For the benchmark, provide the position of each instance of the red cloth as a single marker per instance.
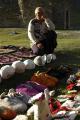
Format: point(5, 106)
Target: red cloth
point(54, 105)
point(70, 86)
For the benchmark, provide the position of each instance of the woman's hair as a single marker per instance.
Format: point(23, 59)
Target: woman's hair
point(39, 9)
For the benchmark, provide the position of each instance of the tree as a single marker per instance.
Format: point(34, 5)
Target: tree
point(20, 3)
point(22, 7)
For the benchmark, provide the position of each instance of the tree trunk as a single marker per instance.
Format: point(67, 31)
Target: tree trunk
point(22, 7)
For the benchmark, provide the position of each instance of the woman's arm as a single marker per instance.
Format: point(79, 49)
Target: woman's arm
point(31, 33)
point(49, 24)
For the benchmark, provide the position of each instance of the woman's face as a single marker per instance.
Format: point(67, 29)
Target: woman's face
point(39, 14)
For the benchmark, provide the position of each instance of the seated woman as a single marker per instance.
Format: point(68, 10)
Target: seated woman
point(41, 32)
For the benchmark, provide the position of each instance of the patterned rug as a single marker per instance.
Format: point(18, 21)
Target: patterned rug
point(9, 54)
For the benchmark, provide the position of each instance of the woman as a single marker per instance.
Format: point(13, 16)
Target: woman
point(41, 32)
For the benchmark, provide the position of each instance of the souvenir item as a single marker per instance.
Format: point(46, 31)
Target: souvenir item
point(18, 66)
point(49, 58)
point(39, 61)
point(44, 79)
point(29, 64)
point(7, 71)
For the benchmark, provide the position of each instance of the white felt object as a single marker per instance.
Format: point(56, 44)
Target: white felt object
point(18, 66)
point(7, 71)
point(21, 117)
point(62, 98)
point(34, 110)
point(68, 103)
point(39, 61)
point(71, 115)
point(40, 108)
point(29, 64)
point(44, 58)
point(60, 114)
point(49, 58)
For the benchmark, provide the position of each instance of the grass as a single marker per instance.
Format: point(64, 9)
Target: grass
point(14, 36)
point(68, 49)
point(67, 52)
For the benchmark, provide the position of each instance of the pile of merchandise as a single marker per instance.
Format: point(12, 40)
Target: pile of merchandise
point(40, 99)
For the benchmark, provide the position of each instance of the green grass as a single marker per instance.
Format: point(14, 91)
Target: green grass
point(67, 52)
point(68, 49)
point(66, 39)
point(7, 37)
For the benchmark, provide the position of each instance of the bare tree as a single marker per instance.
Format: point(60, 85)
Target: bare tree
point(22, 7)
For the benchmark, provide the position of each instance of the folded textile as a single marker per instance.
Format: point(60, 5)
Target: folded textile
point(30, 89)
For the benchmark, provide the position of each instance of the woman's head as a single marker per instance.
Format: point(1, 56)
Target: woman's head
point(39, 13)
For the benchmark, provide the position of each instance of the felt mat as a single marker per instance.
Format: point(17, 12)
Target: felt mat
point(9, 54)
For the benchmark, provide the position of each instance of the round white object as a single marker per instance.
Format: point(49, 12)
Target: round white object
point(44, 59)
point(29, 64)
point(49, 58)
point(18, 66)
point(39, 61)
point(7, 71)
point(53, 56)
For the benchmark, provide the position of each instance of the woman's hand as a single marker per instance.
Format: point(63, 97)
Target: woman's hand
point(39, 45)
point(44, 17)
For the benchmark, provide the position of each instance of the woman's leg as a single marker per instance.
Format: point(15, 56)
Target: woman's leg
point(37, 51)
point(50, 43)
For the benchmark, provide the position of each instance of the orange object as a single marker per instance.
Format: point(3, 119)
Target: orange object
point(7, 114)
point(44, 79)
